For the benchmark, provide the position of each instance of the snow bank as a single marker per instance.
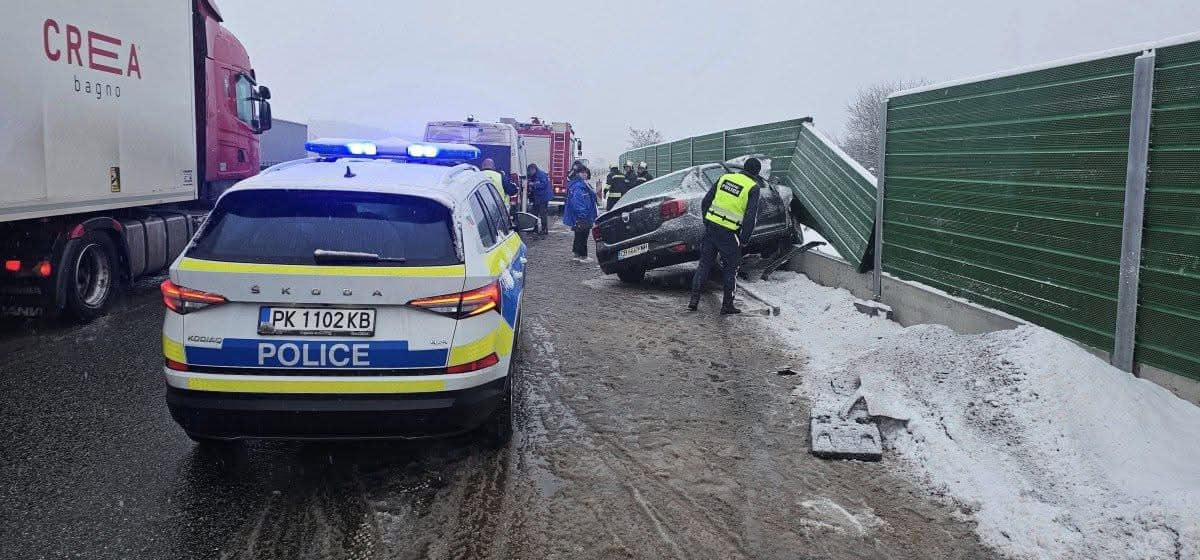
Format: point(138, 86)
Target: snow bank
point(1058, 454)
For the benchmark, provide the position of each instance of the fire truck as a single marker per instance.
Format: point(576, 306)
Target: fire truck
point(553, 147)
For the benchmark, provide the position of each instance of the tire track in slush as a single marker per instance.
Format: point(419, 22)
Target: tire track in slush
point(672, 507)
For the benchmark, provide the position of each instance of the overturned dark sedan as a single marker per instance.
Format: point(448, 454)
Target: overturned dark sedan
point(660, 224)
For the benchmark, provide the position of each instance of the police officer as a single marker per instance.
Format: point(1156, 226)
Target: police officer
point(615, 185)
point(730, 209)
point(503, 187)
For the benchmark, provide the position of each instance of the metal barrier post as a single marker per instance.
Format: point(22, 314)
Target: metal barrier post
point(1135, 199)
point(724, 155)
point(877, 272)
point(691, 151)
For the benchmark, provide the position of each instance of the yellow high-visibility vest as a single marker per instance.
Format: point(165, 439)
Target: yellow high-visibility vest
point(728, 207)
point(497, 181)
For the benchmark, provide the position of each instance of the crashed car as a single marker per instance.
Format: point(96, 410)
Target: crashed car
point(660, 223)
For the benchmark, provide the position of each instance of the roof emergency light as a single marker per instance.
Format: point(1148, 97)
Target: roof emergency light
point(341, 147)
point(394, 148)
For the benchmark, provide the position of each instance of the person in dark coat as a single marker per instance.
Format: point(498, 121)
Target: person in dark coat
point(615, 185)
point(579, 212)
point(538, 185)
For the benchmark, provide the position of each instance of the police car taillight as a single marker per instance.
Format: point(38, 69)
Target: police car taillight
point(463, 304)
point(185, 300)
point(484, 362)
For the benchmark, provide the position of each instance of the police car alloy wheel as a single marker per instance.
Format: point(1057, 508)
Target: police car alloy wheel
point(371, 292)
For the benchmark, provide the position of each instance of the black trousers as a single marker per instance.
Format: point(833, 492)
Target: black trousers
point(542, 211)
point(722, 241)
point(579, 247)
point(612, 201)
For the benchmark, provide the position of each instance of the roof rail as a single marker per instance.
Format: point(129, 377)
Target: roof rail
point(286, 164)
point(458, 169)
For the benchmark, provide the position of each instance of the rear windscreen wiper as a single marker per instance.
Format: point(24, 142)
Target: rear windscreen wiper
point(333, 257)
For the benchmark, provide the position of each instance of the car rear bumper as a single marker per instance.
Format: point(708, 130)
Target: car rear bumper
point(226, 415)
point(657, 257)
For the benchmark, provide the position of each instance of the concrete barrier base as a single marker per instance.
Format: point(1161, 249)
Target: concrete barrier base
point(914, 304)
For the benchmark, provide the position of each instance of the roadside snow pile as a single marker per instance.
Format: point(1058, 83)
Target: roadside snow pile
point(1058, 454)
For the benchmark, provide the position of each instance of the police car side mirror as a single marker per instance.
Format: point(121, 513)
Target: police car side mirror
point(524, 221)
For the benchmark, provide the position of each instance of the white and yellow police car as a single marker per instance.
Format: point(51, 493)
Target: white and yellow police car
point(373, 291)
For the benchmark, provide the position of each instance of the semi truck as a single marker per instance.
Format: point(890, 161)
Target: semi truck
point(554, 147)
point(121, 121)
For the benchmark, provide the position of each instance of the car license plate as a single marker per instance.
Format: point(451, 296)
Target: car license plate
point(316, 321)
point(633, 251)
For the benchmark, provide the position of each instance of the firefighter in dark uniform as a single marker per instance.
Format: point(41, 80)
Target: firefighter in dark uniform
point(615, 185)
point(643, 175)
point(729, 209)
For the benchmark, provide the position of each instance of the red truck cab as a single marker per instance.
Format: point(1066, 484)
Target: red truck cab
point(236, 107)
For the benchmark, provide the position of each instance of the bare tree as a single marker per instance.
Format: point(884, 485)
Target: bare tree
point(861, 138)
point(643, 137)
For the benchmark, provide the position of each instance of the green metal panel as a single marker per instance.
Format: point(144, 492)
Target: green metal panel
point(1169, 302)
point(837, 193)
point(838, 196)
point(1010, 191)
point(681, 156)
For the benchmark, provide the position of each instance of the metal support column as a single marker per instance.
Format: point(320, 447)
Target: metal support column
point(670, 157)
point(1135, 198)
point(724, 155)
point(877, 272)
point(691, 151)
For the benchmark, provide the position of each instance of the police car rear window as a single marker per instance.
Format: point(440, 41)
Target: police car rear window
point(287, 226)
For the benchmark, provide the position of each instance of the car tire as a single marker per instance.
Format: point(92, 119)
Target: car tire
point(496, 432)
point(89, 276)
point(631, 276)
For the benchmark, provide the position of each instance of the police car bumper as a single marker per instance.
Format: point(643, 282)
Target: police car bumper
point(429, 407)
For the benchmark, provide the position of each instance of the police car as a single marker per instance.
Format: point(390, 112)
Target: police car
point(373, 291)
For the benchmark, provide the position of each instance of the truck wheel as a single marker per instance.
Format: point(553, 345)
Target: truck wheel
point(631, 276)
point(89, 276)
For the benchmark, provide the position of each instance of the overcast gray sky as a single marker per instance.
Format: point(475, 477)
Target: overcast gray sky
point(684, 67)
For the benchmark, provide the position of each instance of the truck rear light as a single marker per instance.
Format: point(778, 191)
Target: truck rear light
point(673, 208)
point(44, 269)
point(484, 362)
point(463, 304)
point(177, 366)
point(12, 265)
point(185, 300)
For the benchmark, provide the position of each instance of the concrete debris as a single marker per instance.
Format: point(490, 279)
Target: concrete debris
point(873, 308)
point(852, 435)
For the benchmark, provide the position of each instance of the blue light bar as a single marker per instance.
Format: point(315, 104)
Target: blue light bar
point(394, 148)
point(341, 147)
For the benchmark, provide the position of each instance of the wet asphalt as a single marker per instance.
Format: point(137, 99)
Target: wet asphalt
point(643, 432)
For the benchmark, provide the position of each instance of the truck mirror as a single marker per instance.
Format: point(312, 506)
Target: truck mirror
point(264, 116)
point(264, 92)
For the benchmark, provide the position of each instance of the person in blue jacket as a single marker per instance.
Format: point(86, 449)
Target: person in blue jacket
point(579, 212)
point(539, 195)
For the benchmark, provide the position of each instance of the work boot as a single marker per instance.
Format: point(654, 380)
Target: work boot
point(694, 302)
point(727, 307)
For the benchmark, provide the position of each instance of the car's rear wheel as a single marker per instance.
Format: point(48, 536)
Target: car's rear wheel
point(497, 430)
point(631, 276)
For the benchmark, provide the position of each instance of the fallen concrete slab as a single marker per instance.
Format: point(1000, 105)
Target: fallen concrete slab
point(855, 436)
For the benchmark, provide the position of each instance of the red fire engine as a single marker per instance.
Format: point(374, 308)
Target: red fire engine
point(550, 146)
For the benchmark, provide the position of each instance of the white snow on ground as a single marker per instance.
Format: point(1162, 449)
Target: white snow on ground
point(1057, 454)
point(826, 249)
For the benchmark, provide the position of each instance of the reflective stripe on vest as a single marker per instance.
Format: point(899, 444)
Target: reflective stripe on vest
point(729, 203)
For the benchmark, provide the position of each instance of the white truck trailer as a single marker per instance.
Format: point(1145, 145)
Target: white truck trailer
point(114, 112)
